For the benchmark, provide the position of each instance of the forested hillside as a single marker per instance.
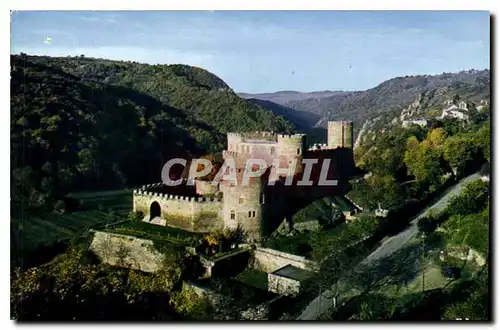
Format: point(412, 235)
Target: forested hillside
point(78, 123)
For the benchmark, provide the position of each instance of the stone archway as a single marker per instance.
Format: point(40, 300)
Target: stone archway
point(154, 211)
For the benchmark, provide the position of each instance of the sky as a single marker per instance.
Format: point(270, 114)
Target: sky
point(259, 51)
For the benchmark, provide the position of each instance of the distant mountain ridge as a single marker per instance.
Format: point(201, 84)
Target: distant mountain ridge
point(387, 99)
point(282, 97)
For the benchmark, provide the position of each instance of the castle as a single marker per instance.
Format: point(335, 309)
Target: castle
point(261, 206)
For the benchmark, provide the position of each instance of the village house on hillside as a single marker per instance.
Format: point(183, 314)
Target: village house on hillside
point(460, 111)
point(424, 123)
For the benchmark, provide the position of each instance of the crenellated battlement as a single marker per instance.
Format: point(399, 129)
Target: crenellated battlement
point(319, 151)
point(234, 134)
point(338, 122)
point(152, 185)
point(319, 147)
point(228, 153)
point(298, 136)
point(141, 192)
point(263, 133)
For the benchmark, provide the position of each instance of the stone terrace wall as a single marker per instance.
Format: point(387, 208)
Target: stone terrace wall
point(127, 251)
point(269, 260)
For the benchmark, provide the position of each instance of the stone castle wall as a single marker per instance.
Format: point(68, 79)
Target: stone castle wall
point(198, 214)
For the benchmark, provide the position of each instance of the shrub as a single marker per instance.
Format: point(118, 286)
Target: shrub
point(136, 216)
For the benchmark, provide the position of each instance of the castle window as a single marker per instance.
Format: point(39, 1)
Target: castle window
point(249, 214)
point(272, 150)
point(241, 201)
point(298, 151)
point(253, 214)
point(233, 216)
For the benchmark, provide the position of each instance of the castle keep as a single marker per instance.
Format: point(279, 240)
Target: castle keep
point(258, 207)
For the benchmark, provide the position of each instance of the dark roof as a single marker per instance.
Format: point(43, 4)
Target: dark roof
point(293, 272)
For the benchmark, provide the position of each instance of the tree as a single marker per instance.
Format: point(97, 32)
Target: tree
point(437, 137)
point(484, 140)
point(472, 199)
point(460, 152)
point(427, 225)
point(384, 191)
point(423, 161)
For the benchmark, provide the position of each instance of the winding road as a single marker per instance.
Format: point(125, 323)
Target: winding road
point(324, 302)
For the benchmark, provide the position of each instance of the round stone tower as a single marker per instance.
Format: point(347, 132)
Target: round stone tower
point(291, 147)
point(340, 134)
point(243, 205)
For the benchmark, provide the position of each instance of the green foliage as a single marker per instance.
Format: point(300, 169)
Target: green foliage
point(164, 237)
point(468, 225)
point(472, 200)
point(72, 287)
point(424, 159)
point(484, 140)
point(385, 156)
point(190, 304)
point(460, 152)
point(335, 241)
point(476, 306)
point(254, 277)
point(427, 225)
point(136, 216)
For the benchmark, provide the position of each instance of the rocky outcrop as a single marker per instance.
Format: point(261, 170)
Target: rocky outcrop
point(126, 251)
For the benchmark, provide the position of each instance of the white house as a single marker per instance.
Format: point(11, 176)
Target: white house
point(420, 122)
point(456, 112)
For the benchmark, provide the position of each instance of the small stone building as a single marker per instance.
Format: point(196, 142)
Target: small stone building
point(288, 281)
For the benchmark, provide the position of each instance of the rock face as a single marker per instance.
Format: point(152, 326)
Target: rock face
point(126, 251)
point(412, 110)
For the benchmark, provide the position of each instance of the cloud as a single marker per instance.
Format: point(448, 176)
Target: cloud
point(100, 18)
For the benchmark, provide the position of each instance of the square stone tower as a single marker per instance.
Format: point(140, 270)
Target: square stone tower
point(340, 134)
